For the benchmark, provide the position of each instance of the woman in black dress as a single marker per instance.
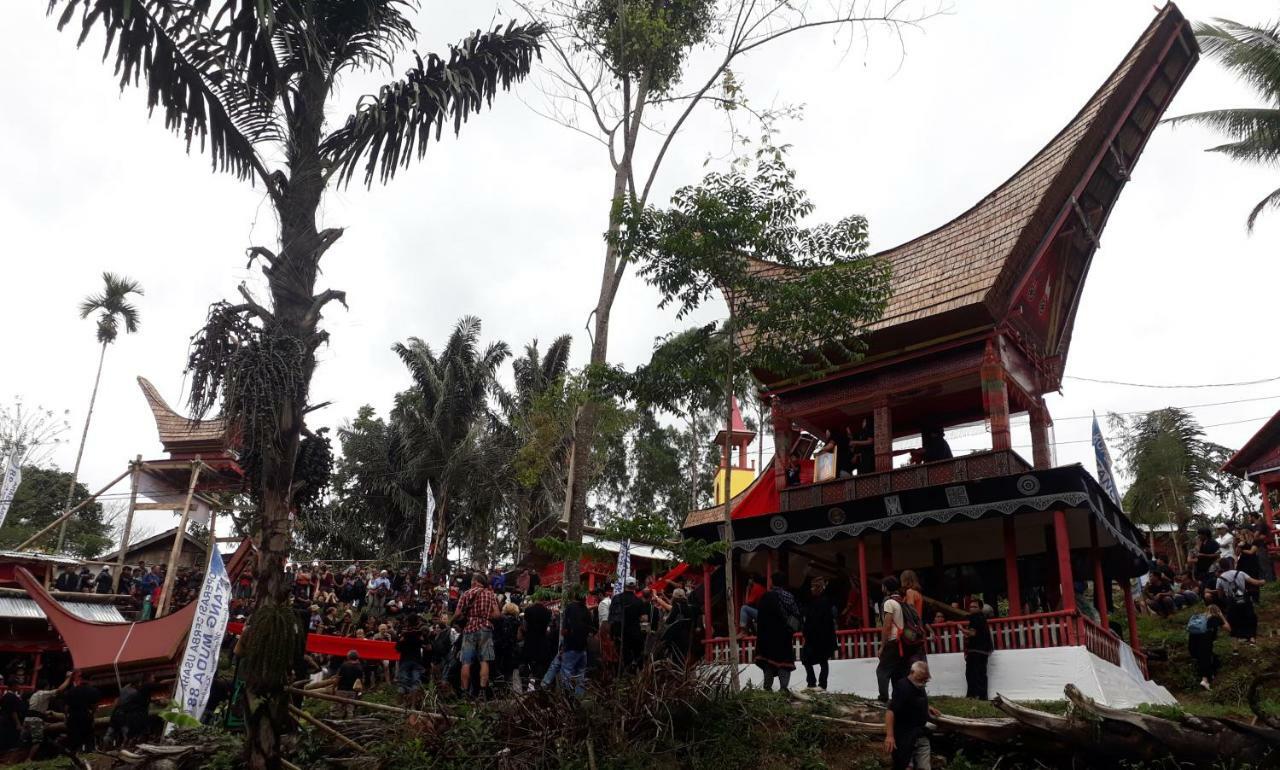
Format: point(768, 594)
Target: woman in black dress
point(778, 621)
point(1200, 645)
point(1248, 561)
point(819, 634)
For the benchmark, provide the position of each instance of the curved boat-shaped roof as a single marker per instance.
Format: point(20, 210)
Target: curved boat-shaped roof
point(972, 268)
point(180, 434)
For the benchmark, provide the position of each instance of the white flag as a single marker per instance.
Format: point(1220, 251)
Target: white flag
point(624, 566)
point(426, 545)
point(200, 661)
point(9, 487)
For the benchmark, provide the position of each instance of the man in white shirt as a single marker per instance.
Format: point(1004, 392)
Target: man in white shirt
point(603, 607)
point(890, 667)
point(1226, 542)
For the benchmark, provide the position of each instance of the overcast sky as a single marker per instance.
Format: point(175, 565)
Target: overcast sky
point(505, 222)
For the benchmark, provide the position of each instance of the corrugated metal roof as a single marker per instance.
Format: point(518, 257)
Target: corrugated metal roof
point(15, 607)
point(56, 558)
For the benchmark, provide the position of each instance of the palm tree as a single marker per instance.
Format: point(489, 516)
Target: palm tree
point(252, 82)
point(1174, 469)
point(440, 423)
point(538, 484)
point(1253, 54)
point(113, 308)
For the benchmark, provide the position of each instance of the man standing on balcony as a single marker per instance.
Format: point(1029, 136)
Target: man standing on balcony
point(905, 738)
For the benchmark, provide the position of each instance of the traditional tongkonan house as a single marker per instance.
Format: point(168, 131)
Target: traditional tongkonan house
point(1259, 461)
point(977, 329)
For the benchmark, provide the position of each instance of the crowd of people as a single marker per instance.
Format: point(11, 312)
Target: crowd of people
point(142, 583)
point(1224, 573)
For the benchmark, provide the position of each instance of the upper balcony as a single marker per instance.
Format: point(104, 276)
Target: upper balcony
point(970, 467)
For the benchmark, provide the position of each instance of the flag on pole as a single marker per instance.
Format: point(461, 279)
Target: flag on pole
point(200, 661)
point(624, 565)
point(426, 545)
point(9, 487)
point(1106, 477)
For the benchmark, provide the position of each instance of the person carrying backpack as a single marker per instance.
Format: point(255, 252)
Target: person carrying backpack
point(1202, 632)
point(1233, 586)
point(894, 641)
point(778, 622)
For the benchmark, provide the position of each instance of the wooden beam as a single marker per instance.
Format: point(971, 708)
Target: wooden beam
point(171, 571)
point(326, 729)
point(158, 507)
point(56, 522)
point(135, 471)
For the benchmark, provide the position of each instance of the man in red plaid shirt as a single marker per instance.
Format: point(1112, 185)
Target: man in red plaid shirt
point(476, 610)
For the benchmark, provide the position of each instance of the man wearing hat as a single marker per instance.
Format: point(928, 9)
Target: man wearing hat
point(1226, 541)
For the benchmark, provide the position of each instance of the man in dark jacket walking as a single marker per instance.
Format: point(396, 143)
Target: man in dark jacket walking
point(819, 634)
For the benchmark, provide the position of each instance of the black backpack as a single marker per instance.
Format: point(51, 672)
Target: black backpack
point(911, 636)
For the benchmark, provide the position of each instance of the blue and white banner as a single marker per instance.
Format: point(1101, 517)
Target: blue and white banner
point(200, 661)
point(9, 486)
point(1106, 477)
point(624, 565)
point(426, 545)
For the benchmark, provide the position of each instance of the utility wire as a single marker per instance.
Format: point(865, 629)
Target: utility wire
point(1171, 387)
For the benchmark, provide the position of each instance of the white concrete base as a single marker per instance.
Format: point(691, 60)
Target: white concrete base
point(1019, 675)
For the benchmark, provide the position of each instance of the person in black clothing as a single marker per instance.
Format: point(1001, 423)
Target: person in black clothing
point(575, 630)
point(1200, 645)
point(67, 580)
point(845, 453)
point(819, 634)
point(411, 667)
point(905, 739)
point(11, 716)
point(1263, 537)
point(506, 644)
point(102, 584)
point(977, 652)
point(934, 446)
point(793, 472)
point(538, 651)
point(81, 701)
point(1206, 557)
point(778, 621)
point(863, 444)
point(677, 637)
point(624, 621)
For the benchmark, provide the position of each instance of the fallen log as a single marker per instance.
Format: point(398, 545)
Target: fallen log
point(996, 730)
point(862, 728)
point(326, 729)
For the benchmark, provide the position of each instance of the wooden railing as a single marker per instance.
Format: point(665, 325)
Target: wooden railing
point(970, 467)
point(1023, 632)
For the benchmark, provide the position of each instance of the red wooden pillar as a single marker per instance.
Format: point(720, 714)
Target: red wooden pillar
point(706, 601)
point(1099, 583)
point(1041, 451)
point(865, 609)
point(1266, 510)
point(1065, 580)
point(884, 438)
point(1011, 567)
point(591, 581)
point(995, 398)
point(1132, 612)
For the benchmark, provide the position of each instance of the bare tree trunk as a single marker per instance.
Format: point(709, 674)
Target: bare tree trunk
point(731, 615)
point(75, 472)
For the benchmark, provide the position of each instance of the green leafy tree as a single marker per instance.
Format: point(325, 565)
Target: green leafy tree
point(38, 503)
point(715, 238)
point(1173, 470)
point(1252, 53)
point(627, 78)
point(252, 81)
point(114, 309)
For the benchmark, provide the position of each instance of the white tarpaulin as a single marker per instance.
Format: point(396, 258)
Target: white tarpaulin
point(157, 490)
point(9, 487)
point(200, 661)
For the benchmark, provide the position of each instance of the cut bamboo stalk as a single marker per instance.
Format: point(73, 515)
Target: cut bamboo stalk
point(326, 729)
point(364, 704)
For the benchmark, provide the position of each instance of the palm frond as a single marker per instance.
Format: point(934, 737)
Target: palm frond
point(394, 127)
point(164, 43)
point(1272, 201)
point(1263, 123)
point(1252, 53)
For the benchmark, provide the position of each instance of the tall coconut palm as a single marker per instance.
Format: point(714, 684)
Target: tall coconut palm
point(252, 81)
point(440, 423)
point(1253, 54)
point(113, 308)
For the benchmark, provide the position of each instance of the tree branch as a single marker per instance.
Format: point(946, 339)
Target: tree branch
point(317, 304)
point(251, 305)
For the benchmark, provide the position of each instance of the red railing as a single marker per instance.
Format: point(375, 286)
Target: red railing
point(1023, 632)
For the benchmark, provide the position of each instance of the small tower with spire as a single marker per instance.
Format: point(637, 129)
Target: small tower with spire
point(732, 476)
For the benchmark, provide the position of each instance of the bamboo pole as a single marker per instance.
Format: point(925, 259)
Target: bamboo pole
point(136, 469)
point(54, 524)
point(364, 704)
point(171, 572)
point(326, 729)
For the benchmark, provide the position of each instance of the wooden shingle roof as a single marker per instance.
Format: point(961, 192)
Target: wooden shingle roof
point(972, 264)
point(177, 430)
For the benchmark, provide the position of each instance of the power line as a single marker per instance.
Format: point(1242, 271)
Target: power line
point(1171, 387)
